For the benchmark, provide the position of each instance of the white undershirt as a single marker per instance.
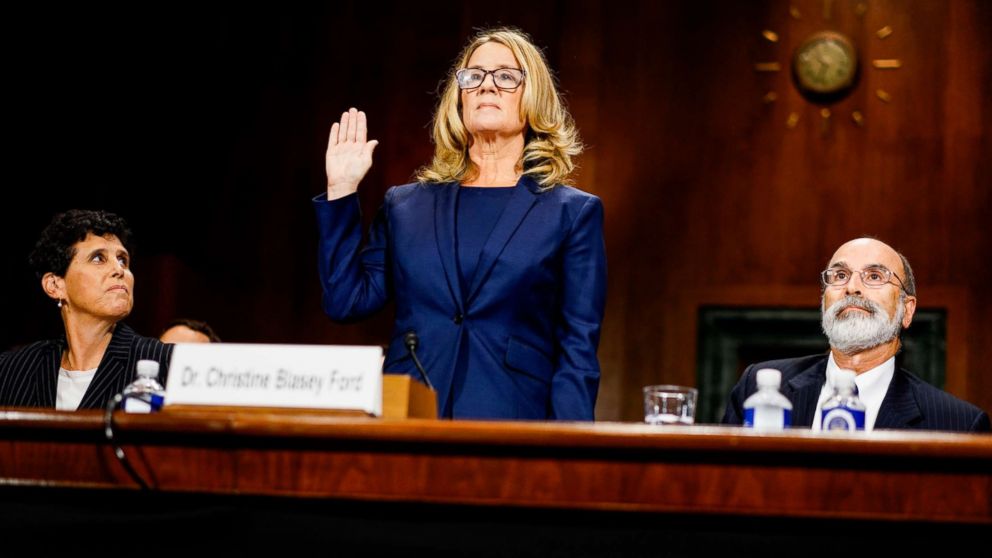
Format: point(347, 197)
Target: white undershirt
point(72, 386)
point(872, 387)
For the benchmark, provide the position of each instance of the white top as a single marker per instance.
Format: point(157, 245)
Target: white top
point(872, 387)
point(72, 385)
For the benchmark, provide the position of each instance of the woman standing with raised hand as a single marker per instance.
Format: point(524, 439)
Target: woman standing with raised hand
point(495, 263)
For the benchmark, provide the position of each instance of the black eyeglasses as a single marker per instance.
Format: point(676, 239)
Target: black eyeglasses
point(873, 276)
point(506, 79)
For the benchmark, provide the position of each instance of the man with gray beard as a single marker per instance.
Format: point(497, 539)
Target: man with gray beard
point(869, 297)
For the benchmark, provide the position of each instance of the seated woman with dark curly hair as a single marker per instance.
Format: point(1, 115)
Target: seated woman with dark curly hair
point(84, 263)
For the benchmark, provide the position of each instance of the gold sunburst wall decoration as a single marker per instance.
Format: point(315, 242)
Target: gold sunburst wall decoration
point(824, 66)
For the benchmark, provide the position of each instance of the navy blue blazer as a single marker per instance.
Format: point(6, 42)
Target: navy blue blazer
point(522, 343)
point(909, 403)
point(29, 375)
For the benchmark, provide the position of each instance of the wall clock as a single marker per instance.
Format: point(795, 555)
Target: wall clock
point(824, 66)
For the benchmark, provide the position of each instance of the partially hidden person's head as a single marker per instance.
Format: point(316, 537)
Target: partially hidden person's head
point(188, 331)
point(83, 259)
point(869, 296)
point(501, 84)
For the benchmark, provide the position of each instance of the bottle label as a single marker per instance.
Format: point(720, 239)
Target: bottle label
point(135, 405)
point(767, 417)
point(145, 403)
point(157, 401)
point(842, 418)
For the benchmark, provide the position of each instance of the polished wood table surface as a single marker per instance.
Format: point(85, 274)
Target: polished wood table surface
point(883, 476)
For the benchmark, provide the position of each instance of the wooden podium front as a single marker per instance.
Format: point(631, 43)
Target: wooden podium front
point(500, 487)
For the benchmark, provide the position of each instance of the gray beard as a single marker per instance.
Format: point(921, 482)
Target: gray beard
point(858, 332)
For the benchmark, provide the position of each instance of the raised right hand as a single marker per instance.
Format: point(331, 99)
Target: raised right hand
point(349, 155)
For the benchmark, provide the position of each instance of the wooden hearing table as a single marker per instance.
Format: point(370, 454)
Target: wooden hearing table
point(609, 469)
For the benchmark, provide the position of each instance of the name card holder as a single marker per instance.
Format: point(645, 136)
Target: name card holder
point(402, 397)
point(292, 379)
point(339, 379)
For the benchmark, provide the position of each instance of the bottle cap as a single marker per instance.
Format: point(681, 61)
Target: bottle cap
point(148, 369)
point(769, 378)
point(843, 380)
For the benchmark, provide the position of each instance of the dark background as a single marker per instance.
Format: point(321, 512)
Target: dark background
point(206, 127)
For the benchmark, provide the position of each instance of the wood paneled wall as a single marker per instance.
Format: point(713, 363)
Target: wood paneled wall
point(206, 130)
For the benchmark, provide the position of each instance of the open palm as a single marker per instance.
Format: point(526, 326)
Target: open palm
point(349, 154)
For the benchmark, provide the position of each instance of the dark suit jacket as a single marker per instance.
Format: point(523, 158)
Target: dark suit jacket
point(522, 343)
point(909, 402)
point(29, 375)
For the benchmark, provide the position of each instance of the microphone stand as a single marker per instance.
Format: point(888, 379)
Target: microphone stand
point(411, 340)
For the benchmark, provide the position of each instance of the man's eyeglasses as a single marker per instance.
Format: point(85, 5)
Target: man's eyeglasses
point(873, 276)
point(506, 79)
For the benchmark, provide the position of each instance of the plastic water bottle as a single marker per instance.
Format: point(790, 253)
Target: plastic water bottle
point(844, 410)
point(145, 394)
point(767, 410)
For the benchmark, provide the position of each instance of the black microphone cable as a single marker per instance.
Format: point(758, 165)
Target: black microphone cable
point(108, 430)
point(411, 340)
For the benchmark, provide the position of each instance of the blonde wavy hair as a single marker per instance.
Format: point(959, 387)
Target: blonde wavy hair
point(551, 140)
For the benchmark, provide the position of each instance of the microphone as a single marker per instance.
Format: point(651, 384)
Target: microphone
point(411, 340)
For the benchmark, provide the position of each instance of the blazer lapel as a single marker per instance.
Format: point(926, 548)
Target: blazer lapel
point(112, 375)
point(523, 198)
point(444, 231)
point(804, 392)
point(47, 378)
point(899, 408)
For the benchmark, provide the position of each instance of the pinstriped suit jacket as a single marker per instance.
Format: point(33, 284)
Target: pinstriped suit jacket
point(29, 375)
point(910, 403)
